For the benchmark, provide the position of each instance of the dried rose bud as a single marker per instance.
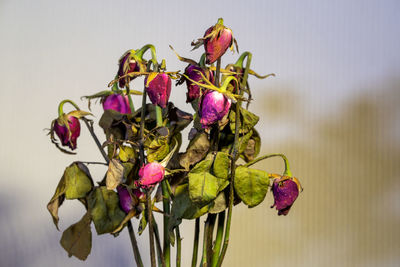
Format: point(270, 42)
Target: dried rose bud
point(192, 71)
point(285, 190)
point(150, 174)
point(158, 87)
point(125, 199)
point(213, 107)
point(127, 65)
point(117, 102)
point(220, 38)
point(68, 134)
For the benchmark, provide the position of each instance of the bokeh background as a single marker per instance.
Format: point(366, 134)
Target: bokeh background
point(332, 109)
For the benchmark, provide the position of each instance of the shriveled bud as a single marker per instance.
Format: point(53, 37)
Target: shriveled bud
point(127, 65)
point(150, 174)
point(213, 107)
point(125, 199)
point(117, 102)
point(285, 190)
point(158, 87)
point(192, 71)
point(217, 39)
point(68, 134)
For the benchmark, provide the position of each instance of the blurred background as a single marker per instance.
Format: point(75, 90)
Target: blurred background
point(332, 109)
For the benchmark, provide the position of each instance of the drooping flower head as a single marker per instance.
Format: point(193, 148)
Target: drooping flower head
point(285, 190)
point(117, 102)
point(217, 39)
point(193, 72)
point(127, 64)
point(69, 132)
point(213, 107)
point(158, 87)
point(126, 201)
point(150, 174)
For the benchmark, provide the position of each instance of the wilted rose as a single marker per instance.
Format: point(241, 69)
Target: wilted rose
point(158, 87)
point(285, 190)
point(213, 107)
point(118, 103)
point(150, 174)
point(68, 134)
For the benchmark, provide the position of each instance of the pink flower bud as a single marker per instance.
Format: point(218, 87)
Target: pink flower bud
point(150, 174)
point(118, 103)
point(127, 65)
point(285, 191)
point(158, 87)
point(213, 107)
point(69, 136)
point(125, 199)
point(217, 45)
point(192, 71)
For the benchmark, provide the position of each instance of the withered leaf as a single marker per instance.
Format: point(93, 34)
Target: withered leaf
point(104, 210)
point(115, 174)
point(248, 120)
point(251, 185)
point(196, 151)
point(77, 239)
point(75, 183)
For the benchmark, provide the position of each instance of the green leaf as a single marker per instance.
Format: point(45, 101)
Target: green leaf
point(248, 120)
point(251, 185)
point(196, 151)
point(104, 209)
point(221, 165)
point(126, 153)
point(115, 174)
point(143, 223)
point(183, 208)
point(77, 239)
point(157, 148)
point(203, 186)
point(75, 183)
point(219, 204)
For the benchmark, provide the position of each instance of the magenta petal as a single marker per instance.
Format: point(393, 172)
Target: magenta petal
point(159, 89)
point(216, 47)
point(118, 103)
point(192, 72)
point(125, 199)
point(213, 107)
point(68, 137)
point(150, 174)
point(285, 193)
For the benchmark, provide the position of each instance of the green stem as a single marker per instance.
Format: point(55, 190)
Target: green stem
point(135, 247)
point(218, 239)
point(211, 218)
point(178, 247)
point(160, 257)
point(204, 258)
point(142, 50)
point(286, 161)
point(234, 156)
point(159, 119)
point(196, 242)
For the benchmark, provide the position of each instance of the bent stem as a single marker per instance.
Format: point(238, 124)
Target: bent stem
point(287, 171)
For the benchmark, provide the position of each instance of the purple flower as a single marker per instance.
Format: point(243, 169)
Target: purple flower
point(118, 103)
point(213, 107)
point(217, 44)
point(150, 174)
point(285, 190)
point(127, 65)
point(125, 199)
point(158, 87)
point(68, 134)
point(192, 71)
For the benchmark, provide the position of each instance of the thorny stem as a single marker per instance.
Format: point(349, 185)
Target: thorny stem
point(286, 161)
point(211, 218)
point(196, 242)
point(234, 154)
point(158, 243)
point(135, 248)
point(178, 247)
point(218, 239)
